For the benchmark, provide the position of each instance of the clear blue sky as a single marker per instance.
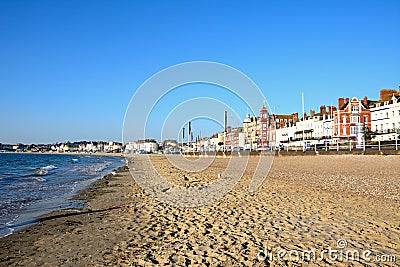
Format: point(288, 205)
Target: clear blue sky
point(69, 68)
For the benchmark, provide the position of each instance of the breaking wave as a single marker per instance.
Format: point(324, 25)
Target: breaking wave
point(40, 171)
point(35, 179)
point(49, 167)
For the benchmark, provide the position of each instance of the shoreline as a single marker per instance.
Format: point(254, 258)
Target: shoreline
point(54, 222)
point(32, 213)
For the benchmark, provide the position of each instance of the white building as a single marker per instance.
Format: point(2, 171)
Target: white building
point(142, 146)
point(316, 129)
point(170, 146)
point(110, 147)
point(129, 147)
point(323, 128)
point(242, 140)
point(385, 119)
point(90, 147)
point(213, 144)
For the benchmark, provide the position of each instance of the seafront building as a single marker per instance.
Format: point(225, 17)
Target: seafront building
point(385, 116)
point(350, 120)
point(279, 130)
point(170, 146)
point(141, 146)
point(66, 147)
point(264, 127)
point(315, 129)
point(347, 123)
point(251, 130)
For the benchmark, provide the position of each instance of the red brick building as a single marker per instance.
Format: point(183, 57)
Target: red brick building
point(348, 116)
point(264, 126)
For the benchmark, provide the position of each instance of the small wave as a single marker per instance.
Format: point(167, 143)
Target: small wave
point(49, 167)
point(96, 168)
point(44, 170)
point(41, 171)
point(6, 231)
point(74, 160)
point(35, 179)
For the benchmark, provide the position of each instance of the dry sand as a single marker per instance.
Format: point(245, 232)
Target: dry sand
point(305, 203)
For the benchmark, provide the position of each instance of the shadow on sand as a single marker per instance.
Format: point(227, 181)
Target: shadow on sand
point(52, 217)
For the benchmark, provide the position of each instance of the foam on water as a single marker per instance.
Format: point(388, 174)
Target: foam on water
point(24, 192)
point(35, 179)
point(48, 167)
point(41, 171)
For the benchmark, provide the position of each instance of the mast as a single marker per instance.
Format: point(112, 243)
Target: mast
point(302, 105)
point(225, 126)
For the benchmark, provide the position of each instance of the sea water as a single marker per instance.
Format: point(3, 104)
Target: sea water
point(35, 184)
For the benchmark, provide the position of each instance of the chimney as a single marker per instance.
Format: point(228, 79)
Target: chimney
point(304, 116)
point(365, 102)
point(340, 102)
point(347, 100)
point(322, 110)
point(312, 112)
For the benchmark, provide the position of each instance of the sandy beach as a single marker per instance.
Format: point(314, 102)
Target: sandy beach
point(306, 205)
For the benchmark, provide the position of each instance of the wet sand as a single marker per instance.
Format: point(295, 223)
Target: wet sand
point(306, 203)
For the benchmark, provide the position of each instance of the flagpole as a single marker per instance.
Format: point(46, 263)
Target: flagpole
point(302, 104)
point(183, 136)
point(189, 134)
point(225, 126)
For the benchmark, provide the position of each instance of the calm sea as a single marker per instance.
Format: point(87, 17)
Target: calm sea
point(35, 184)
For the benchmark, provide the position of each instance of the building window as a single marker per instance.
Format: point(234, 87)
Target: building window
point(355, 109)
point(354, 119)
point(394, 126)
point(264, 126)
point(344, 130)
point(344, 120)
point(387, 114)
point(352, 130)
point(366, 119)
